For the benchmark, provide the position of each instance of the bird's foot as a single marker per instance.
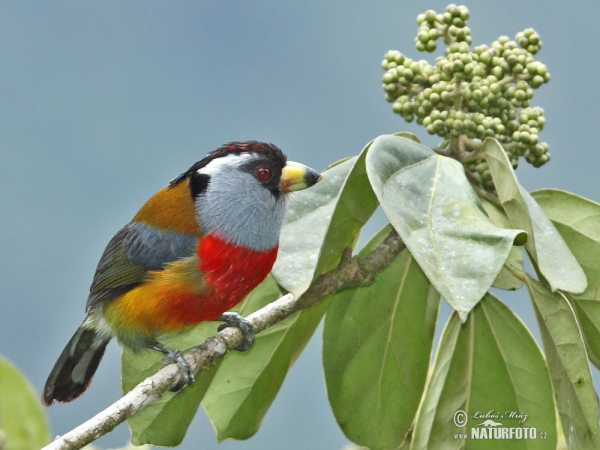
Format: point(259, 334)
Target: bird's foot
point(174, 356)
point(233, 319)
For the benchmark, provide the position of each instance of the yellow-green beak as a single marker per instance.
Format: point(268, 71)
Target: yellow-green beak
point(296, 176)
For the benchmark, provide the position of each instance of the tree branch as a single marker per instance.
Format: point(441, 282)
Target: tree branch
point(351, 272)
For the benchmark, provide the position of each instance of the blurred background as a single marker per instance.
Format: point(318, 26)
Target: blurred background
point(102, 103)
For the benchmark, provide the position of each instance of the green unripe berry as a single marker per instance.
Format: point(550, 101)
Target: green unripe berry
point(423, 36)
point(521, 84)
point(390, 88)
point(541, 69)
point(520, 95)
point(420, 18)
point(388, 77)
point(447, 97)
point(397, 107)
point(498, 72)
point(534, 39)
point(477, 177)
point(482, 167)
point(431, 46)
point(463, 34)
point(458, 22)
point(536, 81)
point(543, 159)
point(485, 57)
point(464, 12)
point(541, 122)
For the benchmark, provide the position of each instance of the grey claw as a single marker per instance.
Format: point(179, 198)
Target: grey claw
point(233, 319)
point(174, 356)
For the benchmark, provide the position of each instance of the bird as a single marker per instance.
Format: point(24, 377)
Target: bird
point(192, 252)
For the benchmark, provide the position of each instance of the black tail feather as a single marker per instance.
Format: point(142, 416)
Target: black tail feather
point(75, 367)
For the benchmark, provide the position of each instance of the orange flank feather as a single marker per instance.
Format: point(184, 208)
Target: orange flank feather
point(189, 291)
point(170, 209)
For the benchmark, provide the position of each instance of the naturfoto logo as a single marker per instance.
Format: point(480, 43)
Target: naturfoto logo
point(493, 425)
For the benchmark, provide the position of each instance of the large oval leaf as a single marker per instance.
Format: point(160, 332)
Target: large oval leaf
point(246, 383)
point(306, 222)
point(322, 221)
point(569, 368)
point(547, 248)
point(23, 423)
point(431, 204)
point(489, 368)
point(165, 422)
point(376, 348)
point(577, 219)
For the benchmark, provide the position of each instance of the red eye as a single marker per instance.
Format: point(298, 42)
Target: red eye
point(264, 173)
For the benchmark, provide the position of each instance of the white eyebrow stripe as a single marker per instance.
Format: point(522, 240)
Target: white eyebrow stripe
point(229, 160)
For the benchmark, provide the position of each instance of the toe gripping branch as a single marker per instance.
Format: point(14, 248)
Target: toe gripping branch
point(233, 319)
point(174, 356)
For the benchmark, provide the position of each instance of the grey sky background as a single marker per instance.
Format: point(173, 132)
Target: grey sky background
point(104, 102)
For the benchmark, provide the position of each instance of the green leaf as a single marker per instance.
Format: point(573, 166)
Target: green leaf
point(376, 353)
point(547, 248)
point(431, 204)
point(23, 423)
point(322, 221)
point(505, 279)
point(577, 219)
point(355, 205)
point(166, 421)
point(568, 365)
point(246, 383)
point(490, 365)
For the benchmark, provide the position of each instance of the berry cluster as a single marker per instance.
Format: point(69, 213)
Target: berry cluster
point(470, 94)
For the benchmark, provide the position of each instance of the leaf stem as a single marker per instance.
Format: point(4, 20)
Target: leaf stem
point(521, 275)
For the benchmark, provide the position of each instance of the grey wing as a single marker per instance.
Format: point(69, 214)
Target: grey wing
point(130, 254)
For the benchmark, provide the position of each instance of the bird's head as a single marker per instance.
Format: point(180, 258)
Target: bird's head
point(240, 191)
